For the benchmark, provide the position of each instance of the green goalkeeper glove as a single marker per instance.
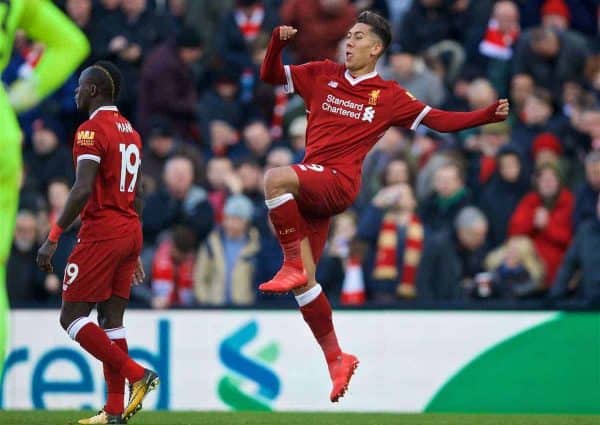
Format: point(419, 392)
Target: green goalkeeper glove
point(23, 94)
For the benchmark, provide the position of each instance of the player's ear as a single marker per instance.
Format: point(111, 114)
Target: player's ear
point(377, 49)
point(93, 89)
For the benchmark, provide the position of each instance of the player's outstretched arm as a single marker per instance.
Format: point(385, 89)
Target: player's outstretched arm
point(445, 121)
point(65, 49)
point(271, 70)
point(78, 196)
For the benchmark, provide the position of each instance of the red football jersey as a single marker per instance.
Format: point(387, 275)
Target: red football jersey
point(347, 115)
point(109, 139)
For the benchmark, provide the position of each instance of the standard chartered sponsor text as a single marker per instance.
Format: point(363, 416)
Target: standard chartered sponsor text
point(342, 107)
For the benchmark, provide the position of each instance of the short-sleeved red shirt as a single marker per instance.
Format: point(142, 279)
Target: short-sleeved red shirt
point(347, 115)
point(109, 139)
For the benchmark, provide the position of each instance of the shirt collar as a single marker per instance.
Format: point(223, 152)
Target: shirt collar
point(354, 81)
point(104, 108)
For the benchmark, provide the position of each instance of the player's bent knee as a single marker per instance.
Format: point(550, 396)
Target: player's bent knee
point(72, 327)
point(280, 180)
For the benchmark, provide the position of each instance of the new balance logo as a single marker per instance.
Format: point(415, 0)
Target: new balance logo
point(332, 84)
point(369, 114)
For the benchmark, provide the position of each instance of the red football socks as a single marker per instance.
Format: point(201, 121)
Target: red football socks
point(94, 340)
point(286, 219)
point(115, 383)
point(317, 314)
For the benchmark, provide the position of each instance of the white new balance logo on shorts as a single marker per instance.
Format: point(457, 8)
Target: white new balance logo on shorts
point(369, 114)
point(332, 84)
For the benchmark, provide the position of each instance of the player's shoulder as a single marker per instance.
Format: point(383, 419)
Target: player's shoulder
point(398, 90)
point(325, 66)
point(88, 133)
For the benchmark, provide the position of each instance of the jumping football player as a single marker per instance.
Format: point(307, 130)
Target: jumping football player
point(105, 260)
point(349, 108)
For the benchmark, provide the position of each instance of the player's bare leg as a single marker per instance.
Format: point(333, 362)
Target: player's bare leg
point(317, 313)
point(281, 189)
point(74, 318)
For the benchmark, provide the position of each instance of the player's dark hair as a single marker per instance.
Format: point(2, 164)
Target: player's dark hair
point(110, 82)
point(379, 25)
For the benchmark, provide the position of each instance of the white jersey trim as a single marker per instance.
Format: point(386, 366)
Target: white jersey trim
point(89, 156)
point(355, 81)
point(289, 86)
point(420, 117)
point(104, 108)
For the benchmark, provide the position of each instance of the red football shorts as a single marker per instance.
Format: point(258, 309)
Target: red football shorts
point(324, 192)
point(98, 270)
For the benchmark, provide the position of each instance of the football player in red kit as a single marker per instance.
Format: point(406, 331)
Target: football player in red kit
point(105, 261)
point(349, 108)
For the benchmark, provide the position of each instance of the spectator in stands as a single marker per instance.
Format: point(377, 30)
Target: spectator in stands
point(340, 255)
point(322, 24)
point(482, 151)
point(555, 15)
point(546, 148)
point(226, 265)
point(221, 103)
point(179, 201)
point(514, 271)
point(551, 58)
point(167, 86)
point(48, 159)
point(80, 11)
point(498, 43)
point(583, 256)
point(257, 140)
point(521, 87)
point(393, 144)
point(250, 174)
point(450, 196)
point(172, 270)
point(395, 236)
point(297, 133)
point(452, 260)
point(279, 157)
point(426, 23)
point(222, 181)
point(126, 38)
point(240, 27)
point(411, 72)
point(545, 215)
point(224, 140)
point(25, 282)
point(499, 197)
point(537, 116)
point(586, 195)
point(159, 144)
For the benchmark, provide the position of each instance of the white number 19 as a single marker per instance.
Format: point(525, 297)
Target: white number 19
point(130, 164)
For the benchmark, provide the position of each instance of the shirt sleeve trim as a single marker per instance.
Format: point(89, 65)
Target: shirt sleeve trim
point(89, 156)
point(289, 87)
point(420, 117)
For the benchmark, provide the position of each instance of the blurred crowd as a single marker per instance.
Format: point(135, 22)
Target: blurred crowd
point(508, 211)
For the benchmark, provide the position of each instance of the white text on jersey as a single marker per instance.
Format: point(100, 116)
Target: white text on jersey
point(124, 127)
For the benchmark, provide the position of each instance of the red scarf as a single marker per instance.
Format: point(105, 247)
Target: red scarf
point(250, 25)
point(496, 44)
point(386, 261)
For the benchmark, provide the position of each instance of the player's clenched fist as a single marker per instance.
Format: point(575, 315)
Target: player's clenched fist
point(502, 109)
point(286, 32)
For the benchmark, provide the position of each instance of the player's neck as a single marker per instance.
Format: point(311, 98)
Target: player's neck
point(359, 72)
point(95, 105)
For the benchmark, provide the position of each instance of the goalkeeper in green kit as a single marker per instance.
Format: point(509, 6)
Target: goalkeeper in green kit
point(65, 48)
